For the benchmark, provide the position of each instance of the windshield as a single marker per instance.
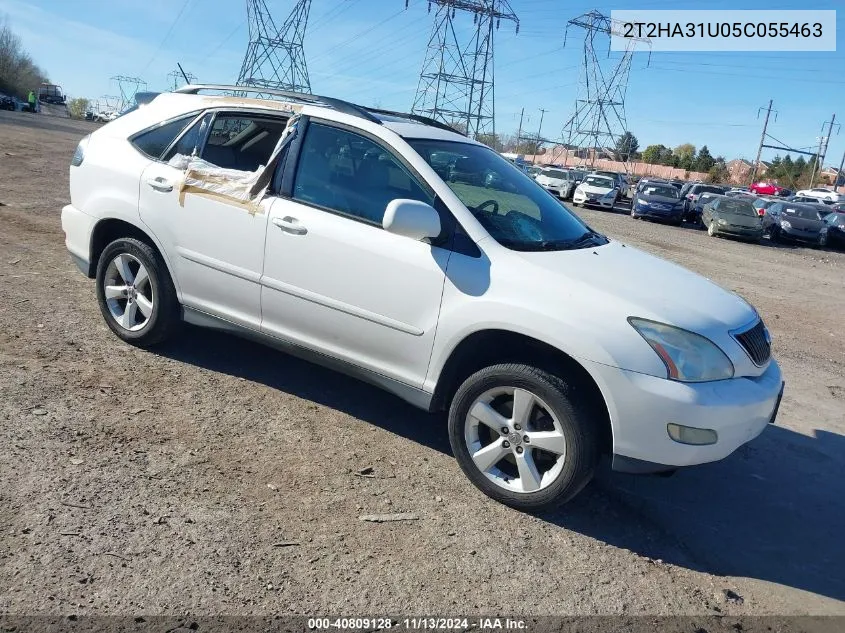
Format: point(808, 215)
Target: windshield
point(599, 181)
point(555, 173)
point(667, 191)
point(737, 207)
point(516, 211)
point(804, 212)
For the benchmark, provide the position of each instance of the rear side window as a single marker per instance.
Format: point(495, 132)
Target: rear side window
point(153, 142)
point(243, 141)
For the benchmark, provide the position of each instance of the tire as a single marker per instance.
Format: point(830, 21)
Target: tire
point(774, 237)
point(822, 240)
point(157, 289)
point(634, 214)
point(711, 229)
point(569, 418)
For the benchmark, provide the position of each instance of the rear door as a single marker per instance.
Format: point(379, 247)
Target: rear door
point(216, 245)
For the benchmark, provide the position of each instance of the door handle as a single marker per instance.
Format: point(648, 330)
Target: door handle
point(160, 184)
point(290, 225)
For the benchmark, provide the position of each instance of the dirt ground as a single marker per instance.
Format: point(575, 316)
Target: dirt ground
point(217, 476)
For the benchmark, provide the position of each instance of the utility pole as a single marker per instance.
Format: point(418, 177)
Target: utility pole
point(822, 150)
point(756, 164)
point(519, 133)
point(539, 136)
point(839, 173)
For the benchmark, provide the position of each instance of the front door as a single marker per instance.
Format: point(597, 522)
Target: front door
point(337, 282)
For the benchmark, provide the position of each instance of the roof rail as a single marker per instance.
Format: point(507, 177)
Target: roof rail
point(337, 104)
point(303, 97)
point(419, 119)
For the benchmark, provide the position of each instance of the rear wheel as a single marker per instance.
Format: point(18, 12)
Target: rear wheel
point(522, 437)
point(135, 293)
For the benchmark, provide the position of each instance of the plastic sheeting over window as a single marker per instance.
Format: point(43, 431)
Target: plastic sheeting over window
point(244, 189)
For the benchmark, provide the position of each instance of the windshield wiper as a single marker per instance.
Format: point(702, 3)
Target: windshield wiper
point(589, 236)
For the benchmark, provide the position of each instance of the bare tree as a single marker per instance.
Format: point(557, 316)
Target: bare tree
point(18, 73)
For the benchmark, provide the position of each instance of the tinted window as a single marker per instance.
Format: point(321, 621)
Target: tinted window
point(245, 142)
point(516, 211)
point(187, 143)
point(351, 174)
point(802, 211)
point(155, 141)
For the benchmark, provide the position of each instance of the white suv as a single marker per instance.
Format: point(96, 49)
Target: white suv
point(547, 343)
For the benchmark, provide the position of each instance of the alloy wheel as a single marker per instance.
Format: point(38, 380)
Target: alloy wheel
point(515, 439)
point(128, 292)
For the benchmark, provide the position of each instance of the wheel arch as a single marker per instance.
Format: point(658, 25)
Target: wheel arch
point(487, 347)
point(110, 229)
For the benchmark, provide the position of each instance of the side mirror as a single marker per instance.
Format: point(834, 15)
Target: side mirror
point(411, 218)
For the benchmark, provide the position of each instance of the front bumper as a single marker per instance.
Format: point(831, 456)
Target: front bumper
point(796, 236)
point(641, 406)
point(591, 200)
point(78, 227)
point(669, 215)
point(739, 231)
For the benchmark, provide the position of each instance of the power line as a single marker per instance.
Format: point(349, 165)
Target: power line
point(167, 35)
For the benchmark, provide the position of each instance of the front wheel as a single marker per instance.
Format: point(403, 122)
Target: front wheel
point(135, 293)
point(522, 437)
point(822, 239)
point(711, 229)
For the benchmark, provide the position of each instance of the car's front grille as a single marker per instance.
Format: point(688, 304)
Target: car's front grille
point(755, 342)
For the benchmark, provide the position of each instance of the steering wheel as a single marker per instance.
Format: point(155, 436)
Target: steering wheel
point(489, 203)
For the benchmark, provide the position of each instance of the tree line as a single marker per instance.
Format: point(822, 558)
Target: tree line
point(18, 73)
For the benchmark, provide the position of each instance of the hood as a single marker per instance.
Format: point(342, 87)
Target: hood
point(593, 189)
point(616, 281)
point(737, 219)
point(660, 199)
point(802, 223)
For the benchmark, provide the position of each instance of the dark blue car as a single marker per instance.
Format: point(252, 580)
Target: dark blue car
point(658, 202)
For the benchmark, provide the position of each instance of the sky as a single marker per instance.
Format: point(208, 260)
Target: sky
point(371, 52)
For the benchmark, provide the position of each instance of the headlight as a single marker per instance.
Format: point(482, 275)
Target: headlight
point(642, 202)
point(722, 221)
point(688, 357)
point(784, 224)
point(79, 153)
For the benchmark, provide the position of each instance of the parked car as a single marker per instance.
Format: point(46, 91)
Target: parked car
point(796, 222)
point(105, 116)
point(784, 193)
point(546, 342)
point(696, 189)
point(560, 182)
point(735, 217)
point(659, 201)
point(761, 204)
point(807, 199)
point(734, 193)
point(833, 232)
point(7, 102)
point(693, 212)
point(621, 180)
point(596, 190)
point(839, 206)
point(821, 194)
point(765, 189)
point(462, 170)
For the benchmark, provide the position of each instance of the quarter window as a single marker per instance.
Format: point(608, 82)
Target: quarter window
point(153, 142)
point(351, 174)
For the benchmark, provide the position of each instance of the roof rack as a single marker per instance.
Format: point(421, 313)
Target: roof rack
point(419, 119)
point(302, 97)
point(337, 104)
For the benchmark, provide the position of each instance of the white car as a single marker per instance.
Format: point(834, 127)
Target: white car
point(596, 190)
point(105, 116)
point(327, 230)
point(821, 194)
point(560, 182)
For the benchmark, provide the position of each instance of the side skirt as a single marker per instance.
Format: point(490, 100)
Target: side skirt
point(412, 395)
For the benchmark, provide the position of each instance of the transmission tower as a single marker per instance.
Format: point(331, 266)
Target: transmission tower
point(456, 81)
point(175, 79)
point(599, 122)
point(275, 57)
point(128, 87)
